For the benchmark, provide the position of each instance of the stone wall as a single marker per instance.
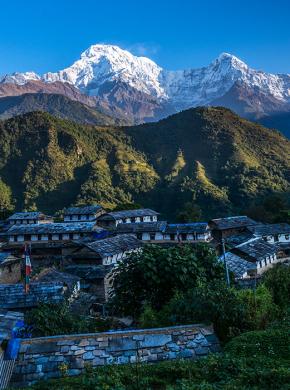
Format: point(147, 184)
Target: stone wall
point(46, 357)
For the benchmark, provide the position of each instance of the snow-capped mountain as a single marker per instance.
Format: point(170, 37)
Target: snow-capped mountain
point(143, 90)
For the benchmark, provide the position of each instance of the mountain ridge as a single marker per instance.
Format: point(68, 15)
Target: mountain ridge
point(152, 92)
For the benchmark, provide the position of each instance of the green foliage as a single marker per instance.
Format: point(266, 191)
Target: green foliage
point(154, 275)
point(208, 157)
point(6, 202)
point(51, 320)
point(190, 213)
point(277, 280)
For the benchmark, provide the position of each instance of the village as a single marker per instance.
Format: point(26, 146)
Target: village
point(73, 259)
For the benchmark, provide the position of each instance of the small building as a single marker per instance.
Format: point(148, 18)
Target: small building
point(83, 213)
point(162, 232)
point(94, 261)
point(272, 233)
point(225, 227)
point(52, 232)
point(144, 231)
point(258, 252)
point(10, 268)
point(71, 283)
point(30, 217)
point(188, 232)
point(240, 267)
point(113, 218)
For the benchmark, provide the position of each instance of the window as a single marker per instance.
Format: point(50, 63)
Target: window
point(172, 237)
point(152, 236)
point(139, 236)
point(286, 236)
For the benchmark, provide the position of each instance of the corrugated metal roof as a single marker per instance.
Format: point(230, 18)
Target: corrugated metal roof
point(140, 227)
point(233, 222)
point(91, 209)
point(51, 228)
point(114, 245)
point(129, 214)
point(195, 227)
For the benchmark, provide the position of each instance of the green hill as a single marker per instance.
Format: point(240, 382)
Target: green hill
point(206, 156)
point(55, 104)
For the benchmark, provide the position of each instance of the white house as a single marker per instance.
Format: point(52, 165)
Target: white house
point(114, 218)
point(273, 233)
point(30, 217)
point(51, 232)
point(82, 214)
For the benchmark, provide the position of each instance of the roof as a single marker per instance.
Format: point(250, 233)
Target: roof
point(140, 227)
point(8, 320)
point(50, 228)
point(271, 229)
point(6, 257)
point(82, 210)
point(257, 249)
point(129, 214)
point(233, 222)
point(88, 272)
point(238, 265)
point(12, 296)
point(26, 215)
point(114, 245)
point(53, 275)
point(195, 227)
point(238, 239)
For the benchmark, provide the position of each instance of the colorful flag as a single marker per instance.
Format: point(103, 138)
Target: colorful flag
point(27, 252)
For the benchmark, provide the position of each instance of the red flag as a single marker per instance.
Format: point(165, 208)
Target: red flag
point(28, 268)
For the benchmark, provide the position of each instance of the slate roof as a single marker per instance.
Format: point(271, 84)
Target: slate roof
point(271, 229)
point(130, 214)
point(92, 209)
point(88, 272)
point(26, 215)
point(50, 228)
point(6, 257)
point(140, 227)
point(12, 296)
point(52, 275)
point(195, 227)
point(114, 245)
point(257, 249)
point(8, 320)
point(232, 222)
point(238, 265)
point(238, 239)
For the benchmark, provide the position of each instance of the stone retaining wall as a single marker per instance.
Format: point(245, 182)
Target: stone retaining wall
point(48, 357)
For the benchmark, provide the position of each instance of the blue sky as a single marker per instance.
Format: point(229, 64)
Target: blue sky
point(49, 35)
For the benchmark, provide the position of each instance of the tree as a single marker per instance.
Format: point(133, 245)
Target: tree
point(6, 203)
point(154, 275)
point(277, 280)
point(190, 213)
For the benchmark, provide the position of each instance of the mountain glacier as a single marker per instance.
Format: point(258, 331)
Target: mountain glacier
point(107, 67)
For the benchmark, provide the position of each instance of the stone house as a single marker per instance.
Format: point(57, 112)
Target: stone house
point(114, 218)
point(272, 233)
point(94, 261)
point(31, 217)
point(51, 232)
point(251, 258)
point(224, 227)
point(83, 213)
point(162, 232)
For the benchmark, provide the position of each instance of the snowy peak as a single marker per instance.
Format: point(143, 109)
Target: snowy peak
point(107, 71)
point(106, 63)
point(19, 78)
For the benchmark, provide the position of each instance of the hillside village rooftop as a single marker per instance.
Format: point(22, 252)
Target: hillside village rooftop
point(31, 217)
point(232, 222)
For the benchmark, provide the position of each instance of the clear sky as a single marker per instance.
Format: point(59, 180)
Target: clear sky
point(48, 35)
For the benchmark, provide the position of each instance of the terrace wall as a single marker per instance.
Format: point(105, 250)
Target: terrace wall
point(49, 357)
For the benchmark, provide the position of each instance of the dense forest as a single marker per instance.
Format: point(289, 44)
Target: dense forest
point(195, 164)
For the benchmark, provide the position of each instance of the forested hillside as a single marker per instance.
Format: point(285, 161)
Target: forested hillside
point(204, 157)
